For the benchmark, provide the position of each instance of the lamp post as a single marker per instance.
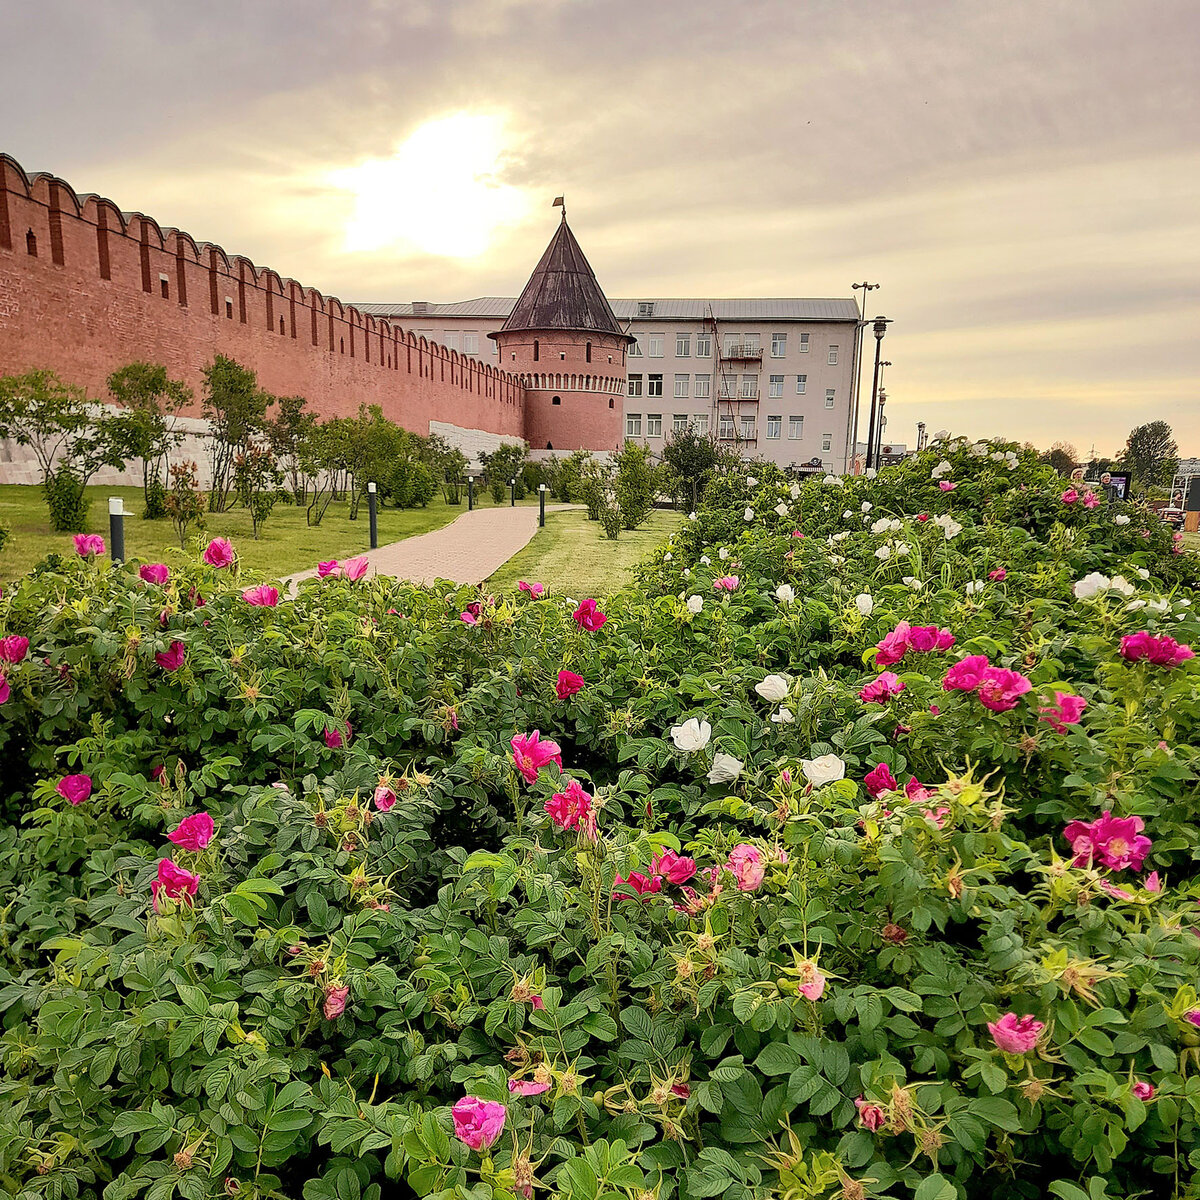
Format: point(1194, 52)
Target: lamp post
point(882, 426)
point(541, 505)
point(856, 382)
point(879, 329)
point(512, 493)
point(920, 436)
point(373, 514)
point(116, 528)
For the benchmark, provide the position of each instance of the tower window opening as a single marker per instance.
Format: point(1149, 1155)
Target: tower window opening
point(537, 350)
point(31, 244)
point(589, 352)
point(556, 400)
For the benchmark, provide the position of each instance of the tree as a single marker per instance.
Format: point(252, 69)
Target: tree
point(236, 409)
point(504, 463)
point(692, 458)
point(147, 428)
point(1062, 456)
point(286, 432)
point(257, 480)
point(70, 436)
point(636, 483)
point(1151, 455)
point(184, 505)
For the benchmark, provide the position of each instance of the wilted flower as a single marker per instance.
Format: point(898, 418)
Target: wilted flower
point(527, 1087)
point(811, 982)
point(174, 882)
point(535, 590)
point(1066, 710)
point(336, 737)
point(1143, 1091)
point(193, 833)
point(335, 1000)
point(75, 788)
point(784, 716)
point(385, 797)
point(478, 1123)
point(748, 865)
point(691, 736)
point(871, 1116)
point(218, 553)
point(1015, 1035)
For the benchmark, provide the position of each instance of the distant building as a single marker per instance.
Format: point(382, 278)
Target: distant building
point(770, 377)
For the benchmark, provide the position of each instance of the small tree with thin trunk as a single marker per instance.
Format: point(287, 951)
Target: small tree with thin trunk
point(147, 429)
point(185, 506)
point(1151, 455)
point(236, 409)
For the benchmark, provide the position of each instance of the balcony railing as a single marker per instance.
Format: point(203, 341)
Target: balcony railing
point(742, 352)
point(737, 437)
point(734, 397)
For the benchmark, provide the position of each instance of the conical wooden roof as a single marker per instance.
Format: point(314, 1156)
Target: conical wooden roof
point(562, 293)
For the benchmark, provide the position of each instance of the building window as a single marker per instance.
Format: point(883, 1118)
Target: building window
point(450, 339)
point(679, 422)
point(778, 345)
point(589, 352)
point(229, 307)
point(556, 400)
point(774, 428)
point(683, 345)
point(747, 429)
point(829, 394)
point(681, 386)
point(804, 343)
point(31, 244)
point(726, 430)
point(653, 385)
point(833, 356)
point(795, 428)
point(703, 387)
point(537, 350)
point(728, 390)
point(801, 384)
point(633, 424)
point(470, 343)
point(635, 385)
point(827, 441)
point(635, 348)
point(645, 308)
point(281, 331)
point(775, 390)
point(700, 424)
point(164, 287)
point(342, 348)
point(704, 345)
point(655, 348)
point(654, 425)
point(749, 387)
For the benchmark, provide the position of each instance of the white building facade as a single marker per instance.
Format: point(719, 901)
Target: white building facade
point(772, 378)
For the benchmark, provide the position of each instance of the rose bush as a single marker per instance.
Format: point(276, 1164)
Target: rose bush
point(567, 905)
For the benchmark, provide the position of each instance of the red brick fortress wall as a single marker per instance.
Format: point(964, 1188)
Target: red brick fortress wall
point(85, 289)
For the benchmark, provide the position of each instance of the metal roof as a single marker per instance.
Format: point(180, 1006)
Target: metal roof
point(664, 309)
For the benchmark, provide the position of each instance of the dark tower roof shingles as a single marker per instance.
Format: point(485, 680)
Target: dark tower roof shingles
point(562, 293)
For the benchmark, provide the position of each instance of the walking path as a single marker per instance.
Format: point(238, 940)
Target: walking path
point(467, 550)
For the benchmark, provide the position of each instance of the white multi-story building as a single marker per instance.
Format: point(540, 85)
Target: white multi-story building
point(771, 377)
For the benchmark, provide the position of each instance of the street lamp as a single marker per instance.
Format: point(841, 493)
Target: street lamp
point(920, 436)
point(866, 288)
point(882, 424)
point(879, 329)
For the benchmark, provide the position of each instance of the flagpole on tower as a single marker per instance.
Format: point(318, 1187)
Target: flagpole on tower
point(560, 202)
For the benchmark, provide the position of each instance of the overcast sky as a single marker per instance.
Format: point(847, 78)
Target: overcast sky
point(1021, 177)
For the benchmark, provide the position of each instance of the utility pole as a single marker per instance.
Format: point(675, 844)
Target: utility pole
point(879, 329)
point(856, 382)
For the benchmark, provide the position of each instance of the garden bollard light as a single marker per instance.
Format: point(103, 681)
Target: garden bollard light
point(541, 505)
point(470, 493)
point(116, 528)
point(373, 515)
point(512, 493)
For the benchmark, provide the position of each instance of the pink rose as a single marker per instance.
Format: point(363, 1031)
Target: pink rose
point(748, 865)
point(1066, 710)
point(999, 575)
point(1090, 500)
point(174, 882)
point(75, 788)
point(881, 689)
point(568, 684)
point(643, 886)
point(172, 659)
point(927, 638)
point(1070, 496)
point(193, 833)
point(13, 649)
point(1153, 883)
point(572, 809)
point(1161, 651)
point(218, 553)
point(1015, 1035)
point(946, 486)
point(355, 568)
point(893, 647)
point(526, 1087)
point(1000, 688)
point(672, 867)
point(154, 572)
point(88, 543)
point(1143, 1091)
point(530, 754)
point(385, 797)
point(871, 1116)
point(916, 791)
point(937, 816)
point(726, 583)
point(1113, 842)
point(588, 616)
point(880, 780)
point(478, 1123)
point(338, 736)
point(325, 569)
point(811, 982)
point(263, 596)
point(335, 1000)
point(967, 674)
point(535, 590)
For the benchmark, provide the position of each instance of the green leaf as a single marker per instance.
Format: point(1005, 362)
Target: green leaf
point(777, 1058)
point(935, 1187)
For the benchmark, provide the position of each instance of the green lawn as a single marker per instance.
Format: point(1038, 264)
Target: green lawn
point(287, 543)
point(574, 558)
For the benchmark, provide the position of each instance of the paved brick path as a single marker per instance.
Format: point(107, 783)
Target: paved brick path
point(467, 550)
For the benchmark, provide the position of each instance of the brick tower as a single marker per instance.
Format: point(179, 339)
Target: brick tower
point(565, 343)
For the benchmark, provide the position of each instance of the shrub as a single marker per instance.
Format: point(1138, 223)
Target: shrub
point(801, 901)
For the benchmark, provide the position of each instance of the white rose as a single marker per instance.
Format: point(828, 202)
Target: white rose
point(687, 572)
point(866, 506)
point(836, 559)
point(883, 553)
point(870, 473)
point(835, 480)
point(822, 770)
point(1120, 519)
point(695, 603)
point(902, 548)
point(781, 509)
point(785, 593)
point(725, 768)
point(913, 582)
point(794, 491)
point(668, 556)
point(1135, 605)
point(943, 468)
point(975, 585)
point(979, 449)
point(1122, 585)
point(691, 736)
point(1091, 586)
point(705, 560)
point(996, 456)
point(749, 514)
point(881, 526)
point(1143, 573)
point(783, 717)
point(847, 515)
point(864, 603)
point(1158, 606)
point(941, 435)
point(691, 516)
point(722, 554)
point(751, 481)
point(774, 688)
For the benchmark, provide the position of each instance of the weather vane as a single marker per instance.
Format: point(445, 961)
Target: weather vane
point(560, 202)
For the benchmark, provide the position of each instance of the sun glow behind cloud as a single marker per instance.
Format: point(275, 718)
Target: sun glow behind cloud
point(439, 192)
